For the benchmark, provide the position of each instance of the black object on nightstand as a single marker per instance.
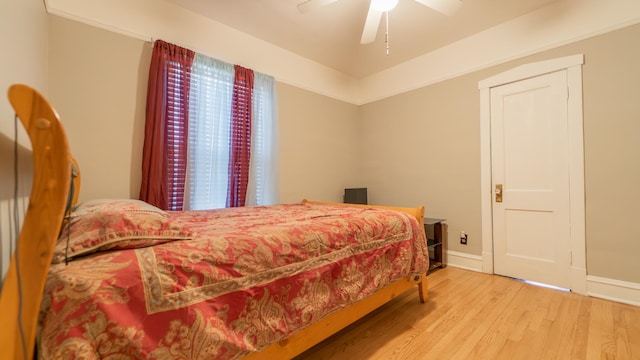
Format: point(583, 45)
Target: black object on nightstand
point(355, 196)
point(436, 231)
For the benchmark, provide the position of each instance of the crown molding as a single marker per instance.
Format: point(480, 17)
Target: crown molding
point(557, 24)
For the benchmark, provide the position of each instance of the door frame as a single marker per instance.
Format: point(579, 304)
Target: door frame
point(573, 66)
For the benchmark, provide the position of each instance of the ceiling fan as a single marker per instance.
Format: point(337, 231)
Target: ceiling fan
point(379, 7)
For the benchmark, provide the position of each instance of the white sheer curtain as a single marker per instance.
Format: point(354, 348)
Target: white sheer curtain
point(209, 136)
point(263, 186)
point(209, 114)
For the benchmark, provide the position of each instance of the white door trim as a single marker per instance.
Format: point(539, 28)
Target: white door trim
point(573, 66)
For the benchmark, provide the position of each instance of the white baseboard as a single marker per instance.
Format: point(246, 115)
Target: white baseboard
point(609, 289)
point(614, 290)
point(464, 261)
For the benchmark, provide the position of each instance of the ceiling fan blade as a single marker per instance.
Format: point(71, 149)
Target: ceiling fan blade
point(447, 7)
point(371, 26)
point(309, 5)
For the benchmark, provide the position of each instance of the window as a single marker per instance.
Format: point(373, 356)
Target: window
point(219, 126)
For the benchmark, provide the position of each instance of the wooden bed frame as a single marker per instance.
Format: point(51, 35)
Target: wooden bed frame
point(55, 174)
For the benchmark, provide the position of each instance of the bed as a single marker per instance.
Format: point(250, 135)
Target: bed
point(119, 277)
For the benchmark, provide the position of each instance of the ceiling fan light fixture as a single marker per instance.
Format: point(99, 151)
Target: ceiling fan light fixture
point(384, 5)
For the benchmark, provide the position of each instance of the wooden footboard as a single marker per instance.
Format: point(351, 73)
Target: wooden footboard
point(317, 332)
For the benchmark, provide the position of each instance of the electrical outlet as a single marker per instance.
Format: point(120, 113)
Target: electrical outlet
point(463, 238)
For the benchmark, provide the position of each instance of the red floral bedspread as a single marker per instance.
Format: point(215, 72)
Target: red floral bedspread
point(249, 277)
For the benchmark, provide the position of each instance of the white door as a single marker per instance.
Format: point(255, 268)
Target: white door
point(530, 162)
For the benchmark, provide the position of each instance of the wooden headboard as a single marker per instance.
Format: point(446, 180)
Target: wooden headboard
point(52, 163)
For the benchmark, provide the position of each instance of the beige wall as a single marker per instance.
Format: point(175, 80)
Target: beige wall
point(98, 85)
point(439, 126)
point(319, 142)
point(612, 154)
point(98, 79)
point(98, 82)
point(23, 35)
point(422, 147)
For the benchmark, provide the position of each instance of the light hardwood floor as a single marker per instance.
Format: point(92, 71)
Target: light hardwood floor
point(471, 315)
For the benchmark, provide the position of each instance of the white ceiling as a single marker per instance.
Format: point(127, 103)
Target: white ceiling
point(330, 35)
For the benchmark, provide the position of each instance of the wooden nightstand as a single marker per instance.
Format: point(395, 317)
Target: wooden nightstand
point(436, 231)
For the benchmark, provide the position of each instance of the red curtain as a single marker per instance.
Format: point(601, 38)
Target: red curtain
point(240, 141)
point(164, 154)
